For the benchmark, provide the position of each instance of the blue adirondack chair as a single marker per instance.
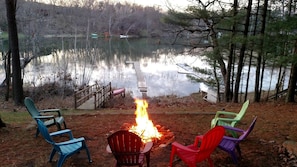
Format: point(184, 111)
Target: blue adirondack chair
point(66, 148)
point(48, 120)
point(231, 144)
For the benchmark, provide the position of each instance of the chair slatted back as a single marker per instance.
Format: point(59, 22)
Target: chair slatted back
point(242, 110)
point(126, 147)
point(248, 131)
point(44, 132)
point(29, 103)
point(210, 141)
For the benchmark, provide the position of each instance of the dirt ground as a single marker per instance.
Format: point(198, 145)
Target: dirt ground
point(185, 117)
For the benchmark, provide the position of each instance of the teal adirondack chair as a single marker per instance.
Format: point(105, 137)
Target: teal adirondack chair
point(48, 120)
point(66, 148)
point(227, 118)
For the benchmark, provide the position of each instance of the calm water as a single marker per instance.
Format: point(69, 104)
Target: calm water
point(105, 61)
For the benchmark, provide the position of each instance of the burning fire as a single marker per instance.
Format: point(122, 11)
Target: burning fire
point(144, 127)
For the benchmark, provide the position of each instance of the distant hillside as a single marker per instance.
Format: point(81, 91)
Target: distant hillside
point(104, 18)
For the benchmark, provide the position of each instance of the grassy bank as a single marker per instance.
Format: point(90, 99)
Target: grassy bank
point(4, 35)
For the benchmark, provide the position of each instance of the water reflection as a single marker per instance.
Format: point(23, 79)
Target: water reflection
point(106, 61)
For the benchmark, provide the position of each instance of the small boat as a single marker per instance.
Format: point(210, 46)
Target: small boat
point(94, 35)
point(124, 36)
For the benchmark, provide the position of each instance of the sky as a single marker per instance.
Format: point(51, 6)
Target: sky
point(179, 5)
point(160, 3)
point(164, 4)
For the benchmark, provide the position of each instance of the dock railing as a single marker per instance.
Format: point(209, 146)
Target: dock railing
point(99, 95)
point(83, 94)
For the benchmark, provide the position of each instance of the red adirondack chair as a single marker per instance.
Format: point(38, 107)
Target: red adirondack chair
point(128, 149)
point(201, 150)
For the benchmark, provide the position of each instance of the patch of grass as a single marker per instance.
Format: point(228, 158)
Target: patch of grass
point(25, 117)
point(15, 117)
point(4, 35)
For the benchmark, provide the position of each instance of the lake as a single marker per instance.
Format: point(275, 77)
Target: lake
point(77, 62)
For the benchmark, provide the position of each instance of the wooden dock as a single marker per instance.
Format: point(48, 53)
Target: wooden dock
point(85, 99)
point(88, 105)
point(94, 96)
point(141, 83)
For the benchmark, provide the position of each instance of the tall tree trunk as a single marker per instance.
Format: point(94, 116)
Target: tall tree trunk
point(292, 84)
point(7, 73)
point(262, 73)
point(2, 124)
point(257, 94)
point(293, 75)
point(228, 88)
point(242, 52)
point(279, 82)
point(293, 80)
point(251, 52)
point(17, 83)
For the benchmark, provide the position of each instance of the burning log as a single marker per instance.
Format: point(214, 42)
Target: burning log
point(145, 128)
point(166, 138)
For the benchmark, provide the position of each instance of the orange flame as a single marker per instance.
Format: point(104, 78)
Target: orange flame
point(144, 126)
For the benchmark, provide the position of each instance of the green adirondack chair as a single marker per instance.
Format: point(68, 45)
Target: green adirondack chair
point(227, 118)
point(48, 120)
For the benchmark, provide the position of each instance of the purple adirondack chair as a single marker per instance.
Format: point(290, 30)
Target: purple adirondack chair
point(231, 144)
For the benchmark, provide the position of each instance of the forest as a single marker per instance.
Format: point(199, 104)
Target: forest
point(258, 33)
point(101, 17)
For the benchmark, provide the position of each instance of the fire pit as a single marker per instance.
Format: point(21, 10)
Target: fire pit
point(146, 129)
